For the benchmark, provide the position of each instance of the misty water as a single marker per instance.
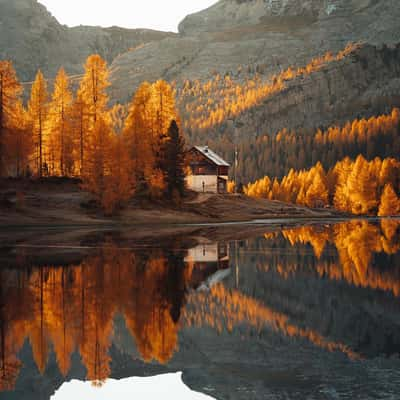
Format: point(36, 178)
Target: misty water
point(289, 311)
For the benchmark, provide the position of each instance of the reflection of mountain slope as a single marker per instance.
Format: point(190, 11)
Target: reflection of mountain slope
point(288, 278)
point(226, 309)
point(277, 335)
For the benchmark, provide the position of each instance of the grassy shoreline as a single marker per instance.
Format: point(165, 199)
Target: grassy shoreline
point(63, 204)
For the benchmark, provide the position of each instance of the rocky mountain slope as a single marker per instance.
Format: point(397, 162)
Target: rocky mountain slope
point(32, 38)
point(266, 34)
point(239, 38)
point(363, 84)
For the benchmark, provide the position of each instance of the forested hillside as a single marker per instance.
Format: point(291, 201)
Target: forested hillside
point(131, 148)
point(283, 118)
point(117, 152)
point(274, 122)
point(301, 149)
point(208, 105)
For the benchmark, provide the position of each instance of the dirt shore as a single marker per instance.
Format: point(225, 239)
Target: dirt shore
point(59, 202)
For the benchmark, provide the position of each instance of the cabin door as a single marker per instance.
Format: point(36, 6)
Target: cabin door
point(222, 185)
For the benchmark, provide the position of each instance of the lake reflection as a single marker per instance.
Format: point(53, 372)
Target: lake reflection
point(299, 311)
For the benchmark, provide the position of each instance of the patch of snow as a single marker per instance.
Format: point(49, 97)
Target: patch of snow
point(216, 278)
point(166, 387)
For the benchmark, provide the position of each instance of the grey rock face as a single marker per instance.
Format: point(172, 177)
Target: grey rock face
point(273, 33)
point(32, 38)
point(233, 13)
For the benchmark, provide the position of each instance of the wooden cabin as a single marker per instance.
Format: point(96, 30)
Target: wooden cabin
point(209, 172)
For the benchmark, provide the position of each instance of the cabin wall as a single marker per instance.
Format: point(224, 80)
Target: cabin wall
point(207, 252)
point(195, 183)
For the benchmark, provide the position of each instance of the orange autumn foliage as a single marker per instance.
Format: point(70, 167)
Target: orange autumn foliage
point(151, 112)
point(390, 202)
point(350, 186)
point(206, 105)
point(60, 142)
point(38, 113)
point(10, 91)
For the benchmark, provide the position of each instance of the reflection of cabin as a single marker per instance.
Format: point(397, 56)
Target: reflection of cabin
point(209, 172)
point(209, 262)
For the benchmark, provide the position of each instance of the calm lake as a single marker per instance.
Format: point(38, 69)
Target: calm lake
point(307, 311)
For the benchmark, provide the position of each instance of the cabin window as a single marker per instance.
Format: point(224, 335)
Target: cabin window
point(223, 171)
point(203, 170)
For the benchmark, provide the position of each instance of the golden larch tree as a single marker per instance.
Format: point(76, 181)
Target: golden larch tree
point(317, 194)
point(150, 115)
point(92, 89)
point(390, 203)
point(165, 108)
point(138, 135)
point(342, 171)
point(120, 182)
point(38, 110)
point(19, 143)
point(362, 188)
point(10, 91)
point(61, 140)
point(98, 160)
point(79, 128)
point(92, 100)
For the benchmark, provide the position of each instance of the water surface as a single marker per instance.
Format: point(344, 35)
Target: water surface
point(293, 312)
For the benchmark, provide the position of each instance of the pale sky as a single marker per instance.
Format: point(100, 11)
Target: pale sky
point(162, 15)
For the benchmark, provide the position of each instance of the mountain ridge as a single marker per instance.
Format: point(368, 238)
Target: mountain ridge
point(239, 39)
point(221, 38)
point(271, 34)
point(33, 39)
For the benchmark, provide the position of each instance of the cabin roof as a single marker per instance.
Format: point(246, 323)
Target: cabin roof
point(215, 158)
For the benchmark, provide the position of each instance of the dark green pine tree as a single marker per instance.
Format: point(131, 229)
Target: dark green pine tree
point(173, 162)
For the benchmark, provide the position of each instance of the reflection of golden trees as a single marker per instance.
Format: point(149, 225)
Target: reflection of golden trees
point(318, 238)
point(73, 308)
point(11, 340)
point(224, 309)
point(13, 326)
point(149, 319)
point(356, 242)
point(63, 333)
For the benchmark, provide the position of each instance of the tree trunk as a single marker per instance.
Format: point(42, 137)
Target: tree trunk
point(1, 122)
